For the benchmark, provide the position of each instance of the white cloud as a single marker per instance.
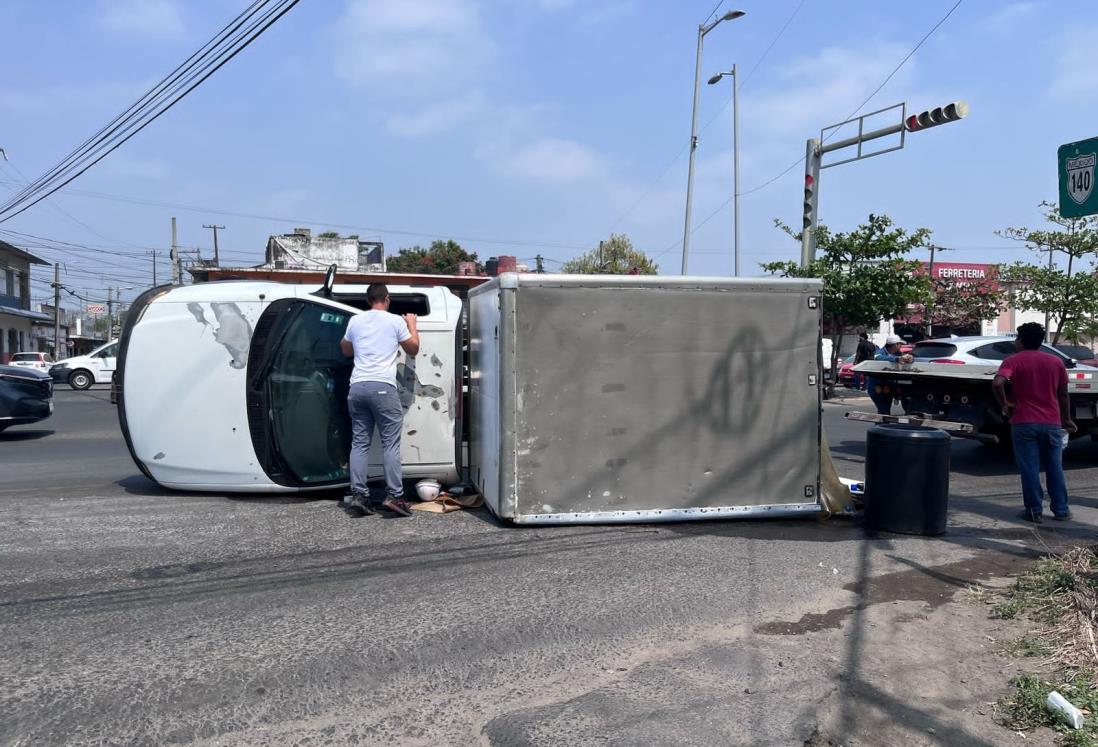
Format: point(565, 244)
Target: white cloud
point(546, 160)
point(1009, 18)
point(411, 46)
point(1074, 77)
point(156, 19)
point(437, 117)
point(827, 86)
point(122, 164)
point(75, 97)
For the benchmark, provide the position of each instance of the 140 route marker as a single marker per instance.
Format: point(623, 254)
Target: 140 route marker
point(1078, 196)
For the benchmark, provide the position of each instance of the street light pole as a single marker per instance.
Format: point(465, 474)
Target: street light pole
point(702, 31)
point(693, 148)
point(735, 164)
point(736, 168)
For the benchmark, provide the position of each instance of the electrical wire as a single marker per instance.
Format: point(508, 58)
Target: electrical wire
point(147, 111)
point(536, 244)
point(152, 98)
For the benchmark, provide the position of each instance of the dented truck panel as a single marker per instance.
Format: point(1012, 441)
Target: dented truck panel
point(193, 374)
point(647, 399)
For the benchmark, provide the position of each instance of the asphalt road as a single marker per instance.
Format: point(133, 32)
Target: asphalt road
point(131, 615)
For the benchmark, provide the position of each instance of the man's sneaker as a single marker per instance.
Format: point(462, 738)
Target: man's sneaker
point(397, 505)
point(359, 505)
point(1026, 515)
point(1066, 516)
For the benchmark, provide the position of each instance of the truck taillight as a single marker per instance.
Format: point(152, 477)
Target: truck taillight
point(948, 360)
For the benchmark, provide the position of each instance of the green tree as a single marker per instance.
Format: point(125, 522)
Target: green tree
point(329, 235)
point(1068, 296)
point(615, 256)
point(441, 258)
point(959, 304)
point(866, 275)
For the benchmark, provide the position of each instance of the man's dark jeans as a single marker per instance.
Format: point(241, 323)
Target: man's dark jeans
point(1037, 447)
point(372, 403)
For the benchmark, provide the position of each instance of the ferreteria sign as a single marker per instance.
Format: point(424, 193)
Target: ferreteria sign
point(1076, 162)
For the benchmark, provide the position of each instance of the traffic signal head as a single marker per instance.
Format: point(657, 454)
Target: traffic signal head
point(809, 201)
point(934, 117)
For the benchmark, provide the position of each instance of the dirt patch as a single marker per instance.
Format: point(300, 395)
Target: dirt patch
point(934, 585)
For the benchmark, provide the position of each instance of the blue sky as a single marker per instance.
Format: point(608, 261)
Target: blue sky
point(527, 126)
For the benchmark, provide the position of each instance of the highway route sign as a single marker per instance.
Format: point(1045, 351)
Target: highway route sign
point(1078, 195)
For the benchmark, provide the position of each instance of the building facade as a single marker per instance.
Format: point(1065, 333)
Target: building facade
point(17, 319)
point(300, 250)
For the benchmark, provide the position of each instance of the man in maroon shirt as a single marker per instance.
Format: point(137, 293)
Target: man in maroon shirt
point(1040, 419)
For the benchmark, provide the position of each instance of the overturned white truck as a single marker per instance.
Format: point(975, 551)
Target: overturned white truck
point(591, 398)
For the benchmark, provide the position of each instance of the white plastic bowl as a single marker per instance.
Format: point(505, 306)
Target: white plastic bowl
point(428, 490)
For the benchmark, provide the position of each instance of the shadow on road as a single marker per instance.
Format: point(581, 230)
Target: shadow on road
point(24, 435)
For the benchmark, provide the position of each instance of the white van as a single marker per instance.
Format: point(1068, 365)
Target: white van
point(81, 371)
point(242, 386)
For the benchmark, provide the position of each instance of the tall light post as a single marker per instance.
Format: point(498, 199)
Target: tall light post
point(702, 31)
point(735, 163)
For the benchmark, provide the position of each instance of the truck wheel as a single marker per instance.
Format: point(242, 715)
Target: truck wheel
point(81, 379)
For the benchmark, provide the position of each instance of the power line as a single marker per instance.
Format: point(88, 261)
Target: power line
point(326, 224)
point(147, 103)
point(869, 98)
point(713, 13)
point(150, 107)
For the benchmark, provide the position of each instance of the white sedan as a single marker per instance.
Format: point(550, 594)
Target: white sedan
point(978, 351)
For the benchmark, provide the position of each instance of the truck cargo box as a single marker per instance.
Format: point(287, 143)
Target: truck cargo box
point(625, 398)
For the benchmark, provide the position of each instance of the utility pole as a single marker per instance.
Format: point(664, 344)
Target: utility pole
point(153, 253)
point(928, 322)
point(1047, 318)
point(56, 311)
point(539, 264)
point(177, 274)
point(217, 261)
point(600, 257)
point(110, 316)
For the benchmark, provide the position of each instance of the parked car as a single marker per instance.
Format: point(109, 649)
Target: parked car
point(846, 371)
point(26, 396)
point(1081, 353)
point(82, 371)
point(40, 361)
point(978, 351)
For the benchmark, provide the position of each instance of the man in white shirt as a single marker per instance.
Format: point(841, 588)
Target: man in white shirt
point(373, 339)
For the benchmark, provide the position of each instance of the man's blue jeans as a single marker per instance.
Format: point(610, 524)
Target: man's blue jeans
point(1037, 447)
point(373, 403)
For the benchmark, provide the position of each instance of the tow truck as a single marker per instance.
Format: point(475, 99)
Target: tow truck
point(960, 400)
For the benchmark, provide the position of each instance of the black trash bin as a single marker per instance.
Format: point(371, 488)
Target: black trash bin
point(906, 479)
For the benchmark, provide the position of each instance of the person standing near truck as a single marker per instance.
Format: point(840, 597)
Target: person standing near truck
point(373, 339)
point(880, 392)
point(1040, 419)
point(865, 352)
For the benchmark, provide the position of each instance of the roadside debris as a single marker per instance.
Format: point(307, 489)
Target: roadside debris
point(1069, 713)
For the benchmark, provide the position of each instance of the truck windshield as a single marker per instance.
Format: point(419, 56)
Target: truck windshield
point(306, 394)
